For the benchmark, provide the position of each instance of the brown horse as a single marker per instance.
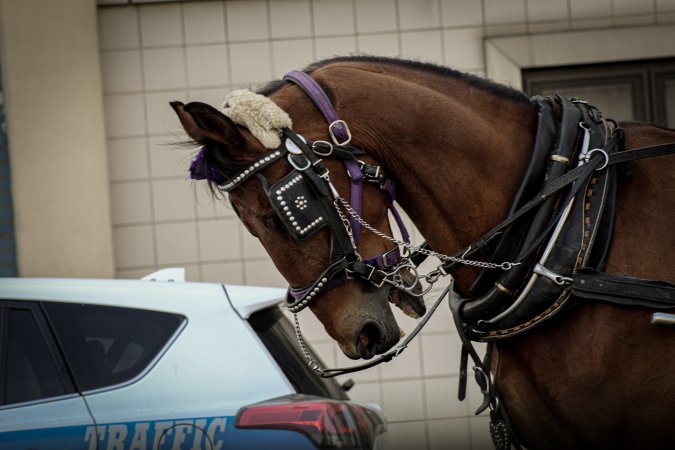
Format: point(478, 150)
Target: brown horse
point(600, 376)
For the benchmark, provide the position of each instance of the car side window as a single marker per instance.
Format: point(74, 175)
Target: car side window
point(107, 345)
point(30, 371)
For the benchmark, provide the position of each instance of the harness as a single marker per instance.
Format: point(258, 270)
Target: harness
point(555, 235)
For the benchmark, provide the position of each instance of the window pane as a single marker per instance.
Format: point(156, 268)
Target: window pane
point(108, 345)
point(614, 100)
point(30, 370)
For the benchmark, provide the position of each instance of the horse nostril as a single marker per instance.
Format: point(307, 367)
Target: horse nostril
point(368, 339)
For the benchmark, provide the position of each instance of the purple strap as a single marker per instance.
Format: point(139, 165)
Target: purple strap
point(356, 196)
point(336, 127)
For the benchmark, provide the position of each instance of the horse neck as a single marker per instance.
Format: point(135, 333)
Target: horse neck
point(456, 152)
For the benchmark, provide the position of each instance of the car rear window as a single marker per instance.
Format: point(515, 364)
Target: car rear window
point(107, 345)
point(276, 332)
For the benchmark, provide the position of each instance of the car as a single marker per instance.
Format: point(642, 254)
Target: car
point(160, 363)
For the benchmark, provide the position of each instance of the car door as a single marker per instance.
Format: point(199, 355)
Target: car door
point(40, 407)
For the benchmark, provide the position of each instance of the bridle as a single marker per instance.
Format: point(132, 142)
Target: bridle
point(306, 201)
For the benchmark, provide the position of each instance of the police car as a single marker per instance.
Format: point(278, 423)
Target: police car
point(153, 364)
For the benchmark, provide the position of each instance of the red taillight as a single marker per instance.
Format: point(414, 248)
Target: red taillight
point(330, 424)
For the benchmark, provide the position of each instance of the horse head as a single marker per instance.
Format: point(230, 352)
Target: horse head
point(255, 157)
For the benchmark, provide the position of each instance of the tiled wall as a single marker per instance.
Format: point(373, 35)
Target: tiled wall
point(155, 53)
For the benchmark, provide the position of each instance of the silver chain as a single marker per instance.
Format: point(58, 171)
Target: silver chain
point(414, 248)
point(303, 346)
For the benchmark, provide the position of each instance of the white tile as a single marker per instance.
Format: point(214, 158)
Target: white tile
point(251, 62)
point(419, 15)
point(325, 351)
point(207, 65)
point(290, 19)
point(161, 25)
point(209, 206)
point(176, 243)
point(133, 274)
point(480, 433)
point(406, 435)
point(630, 7)
point(173, 200)
point(452, 433)
point(204, 22)
point(226, 273)
point(665, 5)
point(211, 96)
point(246, 20)
point(423, 45)
point(385, 44)
point(440, 354)
point(291, 54)
point(164, 68)
point(633, 20)
point(124, 115)
point(505, 29)
point(335, 46)
point(546, 10)
point(549, 27)
point(333, 17)
point(161, 118)
point(464, 48)
point(663, 18)
point(128, 159)
point(133, 246)
point(504, 11)
point(375, 16)
point(252, 246)
point(403, 400)
point(118, 28)
point(192, 271)
point(219, 239)
point(168, 158)
point(407, 365)
point(263, 273)
point(366, 393)
point(112, 2)
point(458, 13)
point(121, 71)
point(130, 202)
point(591, 24)
point(441, 398)
point(590, 9)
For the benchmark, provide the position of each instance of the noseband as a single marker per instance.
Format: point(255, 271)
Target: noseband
point(306, 201)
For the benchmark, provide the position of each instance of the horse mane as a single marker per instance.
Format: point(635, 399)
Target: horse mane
point(473, 80)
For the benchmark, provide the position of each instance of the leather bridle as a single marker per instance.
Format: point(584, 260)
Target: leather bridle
point(306, 201)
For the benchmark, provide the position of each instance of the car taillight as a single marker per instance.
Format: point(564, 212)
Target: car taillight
point(330, 424)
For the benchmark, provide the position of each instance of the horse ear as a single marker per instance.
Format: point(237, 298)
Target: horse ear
point(202, 122)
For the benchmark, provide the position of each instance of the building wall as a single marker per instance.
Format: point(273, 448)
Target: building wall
point(59, 176)
point(152, 54)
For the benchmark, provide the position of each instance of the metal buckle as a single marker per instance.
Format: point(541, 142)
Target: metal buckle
point(295, 166)
point(315, 148)
point(346, 128)
point(587, 158)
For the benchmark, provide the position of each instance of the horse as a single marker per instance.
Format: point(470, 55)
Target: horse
point(598, 375)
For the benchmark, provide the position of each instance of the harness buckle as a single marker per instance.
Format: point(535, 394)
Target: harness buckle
point(316, 145)
point(342, 127)
point(295, 166)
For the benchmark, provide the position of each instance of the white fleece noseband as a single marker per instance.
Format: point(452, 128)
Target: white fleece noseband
point(259, 114)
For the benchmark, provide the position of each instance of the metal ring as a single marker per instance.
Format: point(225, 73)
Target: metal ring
point(292, 147)
point(590, 152)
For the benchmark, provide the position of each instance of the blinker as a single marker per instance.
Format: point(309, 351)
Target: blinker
point(298, 205)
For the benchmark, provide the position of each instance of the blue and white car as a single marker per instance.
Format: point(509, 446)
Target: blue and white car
point(154, 365)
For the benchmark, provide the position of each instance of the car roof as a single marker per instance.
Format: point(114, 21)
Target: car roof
point(176, 296)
